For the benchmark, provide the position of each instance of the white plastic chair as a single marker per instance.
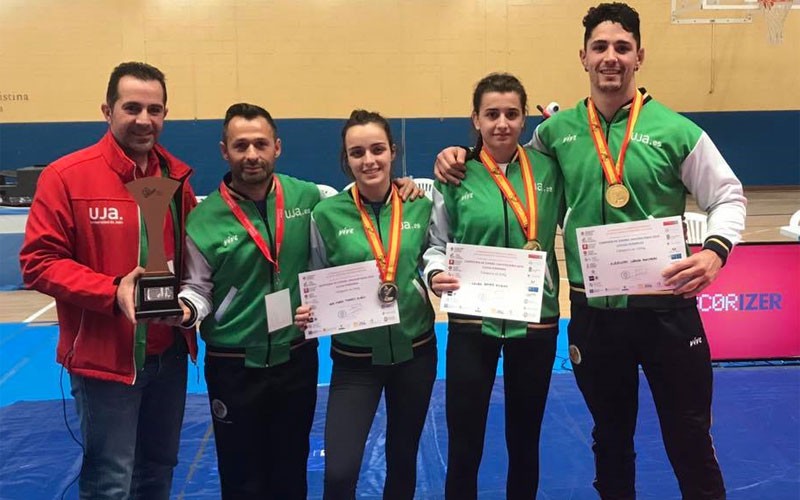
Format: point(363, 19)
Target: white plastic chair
point(426, 185)
point(326, 191)
point(697, 227)
point(795, 219)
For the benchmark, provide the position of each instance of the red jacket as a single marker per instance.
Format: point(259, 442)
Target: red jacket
point(82, 234)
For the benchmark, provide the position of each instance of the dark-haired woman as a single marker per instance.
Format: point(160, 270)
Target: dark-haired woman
point(511, 197)
point(365, 223)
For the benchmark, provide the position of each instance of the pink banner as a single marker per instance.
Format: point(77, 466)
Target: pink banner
point(752, 310)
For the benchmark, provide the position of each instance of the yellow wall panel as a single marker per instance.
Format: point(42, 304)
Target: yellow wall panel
point(406, 58)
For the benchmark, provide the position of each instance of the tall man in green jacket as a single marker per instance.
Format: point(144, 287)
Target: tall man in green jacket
point(664, 156)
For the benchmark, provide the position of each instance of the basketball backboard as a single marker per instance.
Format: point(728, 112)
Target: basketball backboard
point(716, 11)
point(734, 12)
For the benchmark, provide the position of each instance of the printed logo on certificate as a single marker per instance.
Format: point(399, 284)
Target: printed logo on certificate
point(503, 283)
point(627, 258)
point(345, 299)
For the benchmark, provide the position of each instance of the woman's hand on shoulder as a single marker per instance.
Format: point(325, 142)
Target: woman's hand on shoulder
point(408, 189)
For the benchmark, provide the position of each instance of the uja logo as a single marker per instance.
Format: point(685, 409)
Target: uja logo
point(104, 215)
point(409, 225)
point(291, 213)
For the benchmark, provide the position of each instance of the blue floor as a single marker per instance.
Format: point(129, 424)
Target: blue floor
point(756, 433)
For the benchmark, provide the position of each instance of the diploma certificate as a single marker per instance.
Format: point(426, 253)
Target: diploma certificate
point(345, 299)
point(504, 283)
point(627, 258)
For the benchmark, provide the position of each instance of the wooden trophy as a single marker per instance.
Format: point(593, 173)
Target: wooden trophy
point(157, 289)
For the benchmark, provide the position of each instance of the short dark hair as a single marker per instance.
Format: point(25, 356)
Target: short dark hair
point(248, 112)
point(497, 82)
point(616, 12)
point(138, 70)
point(363, 117)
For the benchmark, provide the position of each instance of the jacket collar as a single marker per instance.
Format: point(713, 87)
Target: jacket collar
point(239, 196)
point(119, 162)
point(627, 106)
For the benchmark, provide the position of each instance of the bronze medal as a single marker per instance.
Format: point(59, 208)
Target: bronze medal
point(526, 215)
point(532, 245)
point(617, 195)
point(387, 292)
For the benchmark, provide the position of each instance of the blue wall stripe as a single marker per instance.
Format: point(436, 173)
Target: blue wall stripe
point(761, 146)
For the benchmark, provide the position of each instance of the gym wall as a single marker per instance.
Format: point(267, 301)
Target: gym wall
point(311, 62)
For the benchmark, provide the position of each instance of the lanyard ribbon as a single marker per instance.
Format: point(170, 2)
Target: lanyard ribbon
point(387, 261)
point(613, 171)
point(525, 216)
point(251, 229)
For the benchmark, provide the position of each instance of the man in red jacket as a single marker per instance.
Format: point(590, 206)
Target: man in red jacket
point(85, 245)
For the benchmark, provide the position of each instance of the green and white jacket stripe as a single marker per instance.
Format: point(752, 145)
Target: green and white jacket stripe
point(476, 213)
point(227, 276)
point(337, 238)
point(668, 157)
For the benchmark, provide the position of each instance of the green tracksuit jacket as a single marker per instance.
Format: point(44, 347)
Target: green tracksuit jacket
point(337, 238)
point(668, 156)
point(477, 213)
point(228, 276)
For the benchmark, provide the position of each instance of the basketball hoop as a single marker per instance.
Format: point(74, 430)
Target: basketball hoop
point(775, 12)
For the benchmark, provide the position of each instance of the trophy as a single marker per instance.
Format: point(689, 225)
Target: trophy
point(157, 289)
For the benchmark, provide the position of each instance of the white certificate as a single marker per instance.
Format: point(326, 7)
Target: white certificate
point(503, 283)
point(345, 299)
point(627, 258)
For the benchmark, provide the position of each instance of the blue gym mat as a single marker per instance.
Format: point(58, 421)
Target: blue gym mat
point(756, 435)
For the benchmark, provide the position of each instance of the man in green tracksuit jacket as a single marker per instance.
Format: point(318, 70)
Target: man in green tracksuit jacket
point(249, 240)
point(667, 156)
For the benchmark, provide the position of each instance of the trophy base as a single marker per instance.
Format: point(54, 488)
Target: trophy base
point(157, 297)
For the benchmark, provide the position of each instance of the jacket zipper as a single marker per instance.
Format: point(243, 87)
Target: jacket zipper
point(133, 343)
point(603, 180)
point(507, 243)
point(388, 328)
point(271, 272)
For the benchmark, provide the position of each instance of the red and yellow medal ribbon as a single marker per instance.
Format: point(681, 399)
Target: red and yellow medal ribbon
point(386, 260)
point(251, 229)
point(613, 171)
point(525, 215)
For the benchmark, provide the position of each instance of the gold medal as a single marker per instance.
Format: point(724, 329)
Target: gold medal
point(532, 245)
point(387, 292)
point(617, 195)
